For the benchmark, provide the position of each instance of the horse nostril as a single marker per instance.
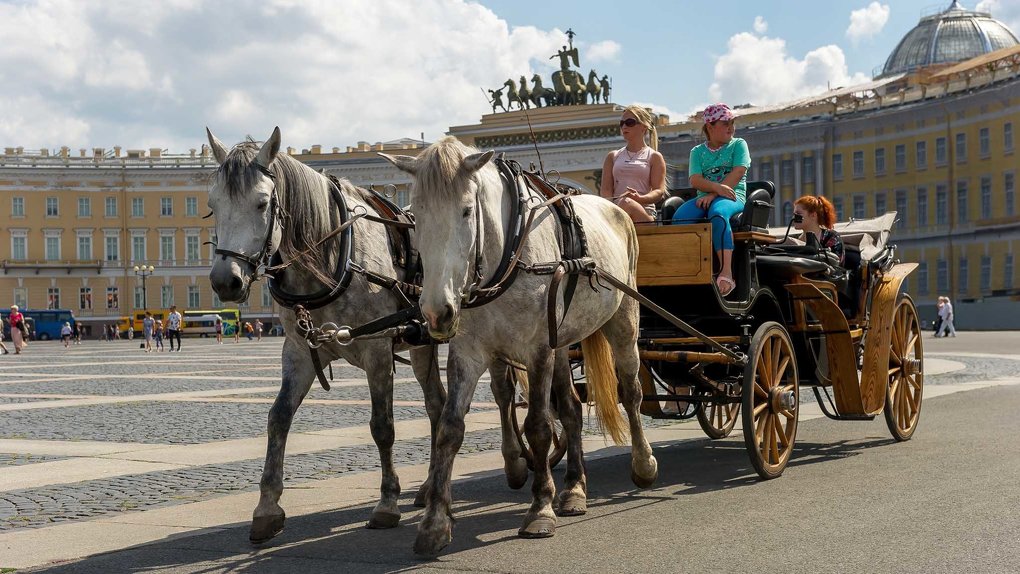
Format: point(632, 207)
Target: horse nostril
point(235, 283)
point(446, 315)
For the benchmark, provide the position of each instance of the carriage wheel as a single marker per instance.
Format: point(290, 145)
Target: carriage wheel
point(557, 449)
point(771, 400)
point(718, 419)
point(906, 372)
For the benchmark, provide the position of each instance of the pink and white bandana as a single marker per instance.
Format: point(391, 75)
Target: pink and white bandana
point(717, 112)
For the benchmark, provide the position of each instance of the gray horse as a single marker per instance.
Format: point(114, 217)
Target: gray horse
point(458, 193)
point(246, 185)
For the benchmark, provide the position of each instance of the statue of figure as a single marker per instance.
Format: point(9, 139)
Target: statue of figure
point(565, 55)
point(606, 85)
point(497, 99)
point(524, 93)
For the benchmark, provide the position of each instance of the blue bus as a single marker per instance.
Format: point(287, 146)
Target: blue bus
point(44, 324)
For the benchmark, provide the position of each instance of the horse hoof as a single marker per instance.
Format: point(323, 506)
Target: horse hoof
point(381, 520)
point(539, 527)
point(572, 504)
point(264, 528)
point(649, 478)
point(429, 545)
point(516, 473)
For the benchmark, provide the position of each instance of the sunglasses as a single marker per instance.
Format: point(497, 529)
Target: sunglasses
point(629, 122)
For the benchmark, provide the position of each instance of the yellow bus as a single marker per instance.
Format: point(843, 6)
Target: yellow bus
point(139, 316)
point(231, 318)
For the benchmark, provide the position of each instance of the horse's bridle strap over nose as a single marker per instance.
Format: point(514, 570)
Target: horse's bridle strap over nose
point(259, 261)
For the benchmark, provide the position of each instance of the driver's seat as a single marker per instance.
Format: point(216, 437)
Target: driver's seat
point(754, 216)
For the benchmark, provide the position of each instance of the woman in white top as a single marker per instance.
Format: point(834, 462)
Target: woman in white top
point(634, 176)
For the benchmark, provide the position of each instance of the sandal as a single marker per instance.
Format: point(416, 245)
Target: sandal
point(722, 280)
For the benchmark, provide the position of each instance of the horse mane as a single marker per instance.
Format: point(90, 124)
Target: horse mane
point(305, 207)
point(439, 166)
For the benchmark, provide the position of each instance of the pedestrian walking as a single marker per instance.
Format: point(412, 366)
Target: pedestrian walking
point(249, 330)
point(2, 346)
point(219, 330)
point(76, 335)
point(66, 332)
point(937, 323)
point(258, 329)
point(148, 326)
point(157, 335)
point(946, 313)
point(237, 331)
point(19, 331)
point(131, 332)
point(173, 327)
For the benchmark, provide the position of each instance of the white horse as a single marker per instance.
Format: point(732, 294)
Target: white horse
point(457, 194)
point(251, 183)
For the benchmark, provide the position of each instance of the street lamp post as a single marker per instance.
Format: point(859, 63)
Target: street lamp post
point(144, 271)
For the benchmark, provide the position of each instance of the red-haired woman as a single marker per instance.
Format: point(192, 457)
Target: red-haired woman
point(819, 217)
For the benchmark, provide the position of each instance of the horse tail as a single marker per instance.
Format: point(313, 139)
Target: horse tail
point(600, 371)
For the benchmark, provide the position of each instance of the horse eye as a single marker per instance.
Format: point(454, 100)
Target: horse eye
point(467, 211)
point(263, 205)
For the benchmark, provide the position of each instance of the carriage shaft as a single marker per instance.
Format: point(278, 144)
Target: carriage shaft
point(686, 357)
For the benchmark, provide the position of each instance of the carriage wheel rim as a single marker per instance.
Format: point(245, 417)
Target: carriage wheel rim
point(774, 425)
point(906, 369)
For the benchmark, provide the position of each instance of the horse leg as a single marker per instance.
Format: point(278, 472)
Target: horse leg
point(621, 332)
point(540, 521)
point(572, 500)
point(425, 363)
point(436, 528)
point(268, 518)
point(378, 364)
point(514, 465)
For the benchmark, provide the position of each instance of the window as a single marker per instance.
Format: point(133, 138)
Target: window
point(961, 201)
point(166, 206)
point(191, 206)
point(52, 208)
point(986, 273)
point(19, 247)
point(193, 297)
point(112, 248)
point(84, 207)
point(807, 170)
point(84, 247)
point(85, 298)
point(112, 298)
point(216, 303)
point(139, 297)
point(166, 296)
point(680, 177)
point(858, 164)
point(267, 296)
point(787, 211)
point(984, 146)
point(138, 248)
point(111, 207)
point(879, 161)
point(880, 203)
point(942, 276)
point(901, 157)
point(21, 297)
point(922, 278)
point(986, 197)
point(53, 248)
point(1007, 136)
point(921, 153)
point(137, 207)
point(767, 172)
point(922, 207)
point(940, 152)
point(941, 205)
point(191, 249)
point(838, 204)
point(837, 166)
point(166, 248)
point(961, 147)
point(901, 208)
point(17, 207)
point(1009, 189)
point(212, 243)
point(53, 298)
point(858, 207)
point(1007, 272)
point(962, 283)
point(786, 172)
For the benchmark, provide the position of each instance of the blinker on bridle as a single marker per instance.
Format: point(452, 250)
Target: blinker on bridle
point(260, 260)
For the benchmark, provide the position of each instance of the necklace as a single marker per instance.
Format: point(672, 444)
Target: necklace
point(630, 156)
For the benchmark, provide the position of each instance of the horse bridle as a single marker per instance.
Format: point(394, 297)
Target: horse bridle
point(260, 260)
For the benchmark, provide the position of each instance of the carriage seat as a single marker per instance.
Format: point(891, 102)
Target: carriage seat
point(754, 216)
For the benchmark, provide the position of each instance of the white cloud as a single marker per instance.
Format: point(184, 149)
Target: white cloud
point(760, 25)
point(674, 116)
point(758, 70)
point(154, 74)
point(1005, 11)
point(867, 22)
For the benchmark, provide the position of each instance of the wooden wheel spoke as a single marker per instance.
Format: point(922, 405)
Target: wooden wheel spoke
point(894, 355)
point(760, 391)
point(910, 345)
point(777, 352)
point(784, 440)
point(781, 370)
point(894, 370)
point(758, 409)
point(773, 440)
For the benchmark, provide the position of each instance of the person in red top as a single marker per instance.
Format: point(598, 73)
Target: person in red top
point(17, 321)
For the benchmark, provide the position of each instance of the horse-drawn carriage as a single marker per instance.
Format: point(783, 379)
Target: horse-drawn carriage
point(797, 318)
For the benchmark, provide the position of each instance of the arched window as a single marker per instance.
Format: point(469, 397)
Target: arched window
point(787, 212)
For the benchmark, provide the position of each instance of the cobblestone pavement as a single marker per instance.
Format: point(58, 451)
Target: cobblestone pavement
point(119, 369)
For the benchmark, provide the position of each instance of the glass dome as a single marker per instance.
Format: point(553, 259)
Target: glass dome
point(951, 36)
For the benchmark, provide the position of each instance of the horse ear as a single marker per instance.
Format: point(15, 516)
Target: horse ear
point(402, 162)
point(475, 161)
point(219, 151)
point(268, 151)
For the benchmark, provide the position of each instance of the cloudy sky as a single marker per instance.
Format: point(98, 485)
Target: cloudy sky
point(145, 73)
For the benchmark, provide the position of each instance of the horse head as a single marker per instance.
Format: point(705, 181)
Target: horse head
point(244, 202)
point(446, 203)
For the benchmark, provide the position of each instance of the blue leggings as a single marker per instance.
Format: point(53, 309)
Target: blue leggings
point(719, 213)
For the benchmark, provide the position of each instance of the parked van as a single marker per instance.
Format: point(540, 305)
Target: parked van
point(200, 325)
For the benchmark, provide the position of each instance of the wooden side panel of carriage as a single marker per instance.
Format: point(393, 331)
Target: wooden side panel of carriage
point(674, 255)
point(864, 395)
